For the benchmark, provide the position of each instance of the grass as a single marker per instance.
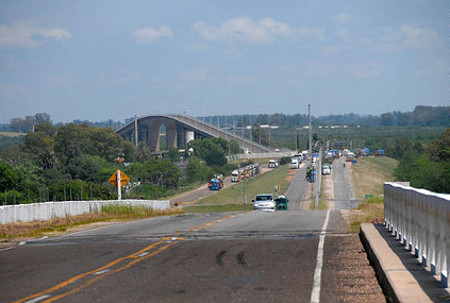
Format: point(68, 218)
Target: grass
point(110, 213)
point(323, 205)
point(368, 175)
point(244, 192)
point(371, 210)
point(11, 134)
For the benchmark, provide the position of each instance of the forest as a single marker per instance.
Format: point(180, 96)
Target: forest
point(74, 162)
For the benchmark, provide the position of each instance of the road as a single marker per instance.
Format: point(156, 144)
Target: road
point(220, 257)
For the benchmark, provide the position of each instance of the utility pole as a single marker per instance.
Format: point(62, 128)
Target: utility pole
point(310, 129)
point(135, 131)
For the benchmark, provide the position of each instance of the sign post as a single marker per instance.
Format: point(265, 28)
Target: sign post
point(118, 180)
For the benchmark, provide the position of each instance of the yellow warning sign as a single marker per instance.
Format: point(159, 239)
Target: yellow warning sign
point(124, 179)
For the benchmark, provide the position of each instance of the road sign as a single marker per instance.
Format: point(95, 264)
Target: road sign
point(124, 179)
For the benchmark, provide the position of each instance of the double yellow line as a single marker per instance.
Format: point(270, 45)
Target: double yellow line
point(106, 270)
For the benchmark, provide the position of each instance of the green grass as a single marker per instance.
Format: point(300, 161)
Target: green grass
point(244, 192)
point(368, 175)
point(323, 205)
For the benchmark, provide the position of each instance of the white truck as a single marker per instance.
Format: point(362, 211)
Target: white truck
point(235, 176)
point(295, 163)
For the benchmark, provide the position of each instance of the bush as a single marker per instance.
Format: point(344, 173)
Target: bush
point(285, 160)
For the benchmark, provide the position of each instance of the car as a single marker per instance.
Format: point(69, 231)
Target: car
point(281, 202)
point(273, 164)
point(264, 202)
point(326, 169)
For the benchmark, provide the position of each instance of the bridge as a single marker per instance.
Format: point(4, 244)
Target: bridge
point(179, 130)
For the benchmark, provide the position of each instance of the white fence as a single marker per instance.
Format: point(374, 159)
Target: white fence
point(50, 210)
point(420, 219)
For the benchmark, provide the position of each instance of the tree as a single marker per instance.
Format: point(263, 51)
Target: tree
point(42, 118)
point(260, 135)
point(197, 171)
point(8, 177)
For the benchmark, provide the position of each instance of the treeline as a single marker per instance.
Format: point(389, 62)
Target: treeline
point(420, 116)
point(425, 166)
point(74, 162)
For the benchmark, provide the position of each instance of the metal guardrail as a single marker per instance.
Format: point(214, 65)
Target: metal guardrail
point(50, 210)
point(420, 219)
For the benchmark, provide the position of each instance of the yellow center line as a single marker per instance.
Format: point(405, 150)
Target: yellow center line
point(134, 256)
point(67, 282)
point(93, 280)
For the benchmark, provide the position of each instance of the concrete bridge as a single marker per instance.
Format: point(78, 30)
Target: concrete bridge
point(179, 130)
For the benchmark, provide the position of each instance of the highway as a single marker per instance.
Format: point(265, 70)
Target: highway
point(220, 257)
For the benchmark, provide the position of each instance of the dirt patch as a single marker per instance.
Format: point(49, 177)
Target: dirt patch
point(349, 274)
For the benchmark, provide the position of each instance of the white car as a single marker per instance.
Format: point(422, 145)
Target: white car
point(264, 202)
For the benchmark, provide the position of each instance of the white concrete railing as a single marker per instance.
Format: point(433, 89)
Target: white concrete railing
point(50, 210)
point(274, 155)
point(420, 219)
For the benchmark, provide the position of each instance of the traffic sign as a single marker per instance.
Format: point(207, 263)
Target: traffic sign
point(124, 179)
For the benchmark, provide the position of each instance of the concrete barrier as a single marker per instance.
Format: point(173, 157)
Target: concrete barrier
point(420, 219)
point(50, 210)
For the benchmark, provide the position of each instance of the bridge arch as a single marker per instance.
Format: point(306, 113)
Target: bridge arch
point(179, 131)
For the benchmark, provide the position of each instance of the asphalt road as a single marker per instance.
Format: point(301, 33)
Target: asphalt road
point(221, 257)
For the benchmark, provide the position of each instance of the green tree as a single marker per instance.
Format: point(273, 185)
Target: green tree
point(260, 135)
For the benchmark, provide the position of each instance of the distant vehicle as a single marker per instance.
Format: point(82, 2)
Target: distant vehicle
point(281, 202)
point(350, 156)
point(273, 163)
point(379, 153)
point(215, 184)
point(264, 202)
point(277, 150)
point(235, 176)
point(295, 163)
point(326, 169)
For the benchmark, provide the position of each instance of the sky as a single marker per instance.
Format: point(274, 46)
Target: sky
point(110, 59)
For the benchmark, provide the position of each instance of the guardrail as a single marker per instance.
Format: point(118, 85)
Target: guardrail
point(50, 210)
point(420, 219)
point(274, 155)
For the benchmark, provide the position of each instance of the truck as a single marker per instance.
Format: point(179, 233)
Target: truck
point(273, 163)
point(215, 184)
point(235, 176)
point(295, 162)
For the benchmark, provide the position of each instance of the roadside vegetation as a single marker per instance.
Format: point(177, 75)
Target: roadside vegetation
point(240, 195)
point(368, 175)
point(108, 214)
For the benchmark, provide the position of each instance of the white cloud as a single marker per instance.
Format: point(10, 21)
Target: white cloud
point(247, 30)
point(419, 38)
point(242, 80)
point(341, 18)
point(26, 35)
point(409, 37)
point(150, 34)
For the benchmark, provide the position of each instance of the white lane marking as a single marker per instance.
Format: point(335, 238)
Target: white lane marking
point(143, 254)
point(35, 300)
point(101, 272)
point(315, 295)
point(5, 249)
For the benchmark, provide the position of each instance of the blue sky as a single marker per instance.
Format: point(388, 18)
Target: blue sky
point(97, 60)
